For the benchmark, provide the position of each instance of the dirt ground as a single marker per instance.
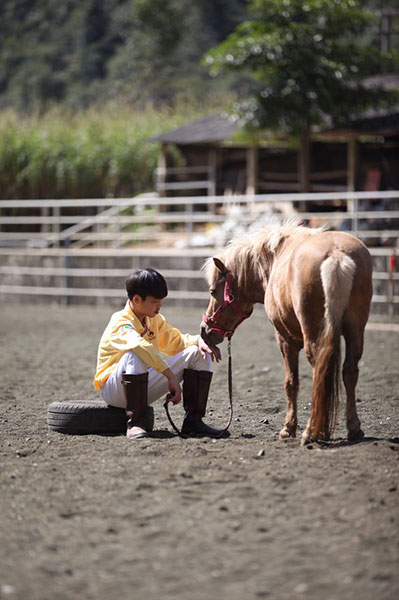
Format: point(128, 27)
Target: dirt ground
point(97, 517)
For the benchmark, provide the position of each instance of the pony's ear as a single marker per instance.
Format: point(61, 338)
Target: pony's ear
point(219, 265)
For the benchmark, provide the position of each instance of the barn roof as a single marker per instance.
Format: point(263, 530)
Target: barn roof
point(387, 81)
point(220, 128)
point(213, 128)
point(378, 122)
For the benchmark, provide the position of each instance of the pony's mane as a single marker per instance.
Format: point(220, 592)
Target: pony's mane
point(253, 252)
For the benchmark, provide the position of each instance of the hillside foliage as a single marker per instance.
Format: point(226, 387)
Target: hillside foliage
point(83, 52)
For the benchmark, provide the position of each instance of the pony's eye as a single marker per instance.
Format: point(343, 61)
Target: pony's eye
point(212, 292)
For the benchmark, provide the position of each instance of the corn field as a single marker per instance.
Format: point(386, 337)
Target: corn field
point(86, 154)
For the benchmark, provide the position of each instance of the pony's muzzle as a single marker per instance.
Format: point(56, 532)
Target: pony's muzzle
point(210, 336)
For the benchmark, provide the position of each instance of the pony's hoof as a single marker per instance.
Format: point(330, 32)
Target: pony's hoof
point(305, 439)
point(355, 436)
point(286, 434)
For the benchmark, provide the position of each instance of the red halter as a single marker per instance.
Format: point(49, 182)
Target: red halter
point(229, 300)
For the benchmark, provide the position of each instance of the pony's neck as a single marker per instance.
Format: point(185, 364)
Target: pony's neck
point(251, 267)
point(252, 285)
point(255, 289)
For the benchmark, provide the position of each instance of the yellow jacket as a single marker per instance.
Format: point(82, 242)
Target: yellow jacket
point(125, 333)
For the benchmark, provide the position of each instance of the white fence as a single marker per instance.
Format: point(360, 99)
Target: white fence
point(120, 221)
point(59, 227)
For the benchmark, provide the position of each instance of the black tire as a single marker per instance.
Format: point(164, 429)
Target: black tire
point(90, 417)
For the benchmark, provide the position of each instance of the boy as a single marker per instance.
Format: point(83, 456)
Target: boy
point(131, 369)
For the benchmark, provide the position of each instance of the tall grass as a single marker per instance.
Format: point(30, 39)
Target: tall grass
point(87, 154)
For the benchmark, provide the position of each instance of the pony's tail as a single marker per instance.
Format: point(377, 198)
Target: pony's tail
point(337, 274)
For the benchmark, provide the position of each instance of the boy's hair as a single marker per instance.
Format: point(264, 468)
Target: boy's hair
point(146, 282)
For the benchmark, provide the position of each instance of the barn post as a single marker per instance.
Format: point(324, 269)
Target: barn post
point(252, 170)
point(212, 174)
point(351, 166)
point(161, 178)
point(352, 162)
point(304, 162)
point(161, 170)
point(212, 169)
point(303, 167)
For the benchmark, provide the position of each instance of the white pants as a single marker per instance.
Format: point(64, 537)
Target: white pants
point(131, 364)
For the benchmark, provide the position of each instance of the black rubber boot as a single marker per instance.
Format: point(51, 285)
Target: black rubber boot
point(196, 386)
point(136, 397)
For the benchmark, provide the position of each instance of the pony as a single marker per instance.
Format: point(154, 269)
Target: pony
point(316, 286)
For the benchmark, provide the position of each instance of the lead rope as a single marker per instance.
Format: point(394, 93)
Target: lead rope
point(230, 388)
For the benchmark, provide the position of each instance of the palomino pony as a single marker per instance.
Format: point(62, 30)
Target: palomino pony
point(316, 286)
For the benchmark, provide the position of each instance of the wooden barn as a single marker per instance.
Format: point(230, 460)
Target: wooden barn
point(212, 159)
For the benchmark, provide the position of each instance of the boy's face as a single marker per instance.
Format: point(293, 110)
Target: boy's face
point(149, 307)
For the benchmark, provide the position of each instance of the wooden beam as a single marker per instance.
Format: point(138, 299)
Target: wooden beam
point(351, 161)
point(162, 170)
point(327, 187)
point(186, 185)
point(277, 176)
point(252, 171)
point(304, 163)
point(291, 186)
point(212, 171)
point(322, 175)
point(181, 170)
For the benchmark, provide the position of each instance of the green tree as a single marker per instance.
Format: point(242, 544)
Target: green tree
point(309, 59)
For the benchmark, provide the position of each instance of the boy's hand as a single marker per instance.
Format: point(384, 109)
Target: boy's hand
point(174, 387)
point(213, 351)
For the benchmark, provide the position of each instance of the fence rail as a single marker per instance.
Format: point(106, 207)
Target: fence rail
point(46, 228)
point(61, 287)
point(155, 200)
point(200, 217)
point(149, 218)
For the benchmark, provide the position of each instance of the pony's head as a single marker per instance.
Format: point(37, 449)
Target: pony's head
point(227, 307)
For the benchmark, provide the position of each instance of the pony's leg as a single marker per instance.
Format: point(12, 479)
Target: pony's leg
point(290, 352)
point(310, 350)
point(350, 372)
